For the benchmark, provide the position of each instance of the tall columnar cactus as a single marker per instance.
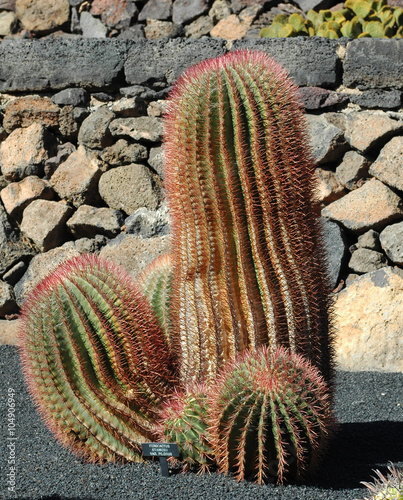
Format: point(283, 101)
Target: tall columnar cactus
point(95, 359)
point(271, 416)
point(248, 261)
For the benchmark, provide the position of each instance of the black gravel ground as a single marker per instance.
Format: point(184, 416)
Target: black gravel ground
point(369, 407)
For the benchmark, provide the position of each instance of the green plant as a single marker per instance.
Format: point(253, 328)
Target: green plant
point(95, 359)
point(184, 419)
point(271, 416)
point(248, 264)
point(358, 19)
point(386, 488)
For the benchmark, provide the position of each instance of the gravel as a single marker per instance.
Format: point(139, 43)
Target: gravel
point(369, 407)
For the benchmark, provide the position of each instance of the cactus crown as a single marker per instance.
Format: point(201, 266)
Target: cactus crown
point(358, 19)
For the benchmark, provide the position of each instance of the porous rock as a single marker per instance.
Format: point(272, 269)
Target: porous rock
point(200, 27)
point(114, 13)
point(129, 106)
point(72, 97)
point(370, 240)
point(122, 153)
point(8, 23)
point(336, 251)
point(388, 167)
point(9, 331)
point(372, 206)
point(365, 260)
point(41, 266)
point(24, 111)
point(94, 131)
point(87, 245)
point(219, 10)
point(8, 304)
point(353, 168)
point(43, 221)
point(230, 28)
point(368, 323)
point(327, 186)
point(92, 27)
point(25, 151)
point(145, 128)
point(170, 58)
point(318, 98)
point(373, 63)
point(76, 179)
point(365, 130)
point(42, 15)
point(148, 223)
point(161, 29)
point(327, 140)
point(59, 63)
point(89, 221)
point(391, 239)
point(17, 195)
point(377, 98)
point(184, 11)
point(156, 9)
point(128, 188)
point(135, 253)
point(156, 160)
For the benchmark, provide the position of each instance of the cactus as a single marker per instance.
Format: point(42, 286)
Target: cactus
point(358, 19)
point(270, 416)
point(248, 261)
point(386, 488)
point(95, 359)
point(155, 283)
point(184, 420)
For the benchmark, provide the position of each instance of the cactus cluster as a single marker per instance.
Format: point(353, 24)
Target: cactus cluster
point(386, 488)
point(241, 300)
point(358, 19)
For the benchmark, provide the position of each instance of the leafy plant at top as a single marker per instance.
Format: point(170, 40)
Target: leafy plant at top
point(358, 19)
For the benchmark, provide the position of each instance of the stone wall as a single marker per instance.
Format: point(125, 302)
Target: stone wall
point(82, 166)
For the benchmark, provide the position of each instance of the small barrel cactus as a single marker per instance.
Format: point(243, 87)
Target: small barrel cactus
point(184, 420)
point(270, 416)
point(95, 359)
point(386, 488)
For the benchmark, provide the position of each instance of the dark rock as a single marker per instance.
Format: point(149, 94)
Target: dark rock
point(365, 260)
point(8, 304)
point(132, 91)
point(63, 152)
point(184, 11)
point(73, 97)
point(391, 239)
point(156, 9)
point(122, 153)
point(13, 275)
point(87, 245)
point(327, 140)
point(386, 99)
point(60, 63)
point(169, 58)
point(80, 114)
point(102, 96)
point(336, 249)
point(114, 13)
point(311, 61)
point(238, 5)
point(370, 240)
point(135, 32)
point(7, 5)
point(94, 131)
point(156, 160)
point(318, 98)
point(374, 63)
point(89, 221)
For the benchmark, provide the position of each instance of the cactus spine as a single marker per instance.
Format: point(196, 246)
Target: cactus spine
point(248, 263)
point(95, 359)
point(270, 416)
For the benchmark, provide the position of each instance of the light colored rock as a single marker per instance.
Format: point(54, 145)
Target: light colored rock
point(230, 28)
point(76, 179)
point(42, 15)
point(25, 151)
point(368, 323)
point(156, 9)
point(145, 128)
point(365, 129)
point(156, 108)
point(370, 240)
point(327, 139)
point(388, 167)
point(220, 10)
point(156, 160)
point(198, 28)
point(122, 153)
point(24, 111)
point(8, 304)
point(114, 13)
point(9, 331)
point(43, 222)
point(128, 188)
point(149, 223)
point(8, 22)
point(91, 26)
point(135, 253)
point(372, 206)
point(41, 266)
point(18, 195)
point(365, 260)
point(391, 239)
point(94, 131)
point(327, 186)
point(129, 107)
point(353, 168)
point(161, 29)
point(89, 221)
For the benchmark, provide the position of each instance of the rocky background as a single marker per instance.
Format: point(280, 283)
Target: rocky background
point(82, 164)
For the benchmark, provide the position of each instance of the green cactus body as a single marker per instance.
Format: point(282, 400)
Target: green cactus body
point(184, 420)
point(248, 263)
point(389, 487)
point(270, 416)
point(95, 359)
point(155, 283)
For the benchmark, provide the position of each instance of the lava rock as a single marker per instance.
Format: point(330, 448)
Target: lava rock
point(123, 153)
point(391, 239)
point(73, 97)
point(156, 9)
point(388, 167)
point(376, 98)
point(94, 131)
point(336, 249)
point(89, 221)
point(42, 15)
point(145, 128)
point(365, 260)
point(370, 240)
point(353, 168)
point(327, 140)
